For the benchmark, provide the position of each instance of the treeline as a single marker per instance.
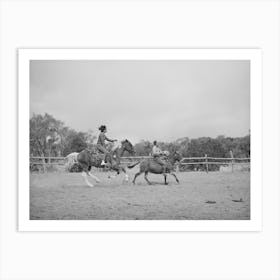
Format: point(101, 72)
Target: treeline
point(49, 136)
point(199, 147)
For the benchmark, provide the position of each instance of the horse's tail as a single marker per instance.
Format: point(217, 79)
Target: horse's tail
point(133, 165)
point(70, 160)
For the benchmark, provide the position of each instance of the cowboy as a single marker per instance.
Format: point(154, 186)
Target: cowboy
point(101, 143)
point(157, 154)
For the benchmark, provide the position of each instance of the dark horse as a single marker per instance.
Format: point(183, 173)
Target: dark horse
point(150, 165)
point(88, 158)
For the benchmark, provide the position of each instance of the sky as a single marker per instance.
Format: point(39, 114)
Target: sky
point(150, 100)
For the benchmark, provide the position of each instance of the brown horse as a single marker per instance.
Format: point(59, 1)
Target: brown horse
point(150, 165)
point(88, 158)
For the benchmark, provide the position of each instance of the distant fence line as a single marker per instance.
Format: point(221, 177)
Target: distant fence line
point(198, 161)
point(206, 161)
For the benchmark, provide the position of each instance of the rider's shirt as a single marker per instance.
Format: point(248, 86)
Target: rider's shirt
point(101, 139)
point(156, 151)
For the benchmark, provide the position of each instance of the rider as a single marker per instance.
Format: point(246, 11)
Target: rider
point(157, 153)
point(101, 143)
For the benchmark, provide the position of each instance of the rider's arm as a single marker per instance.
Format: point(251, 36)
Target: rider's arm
point(110, 140)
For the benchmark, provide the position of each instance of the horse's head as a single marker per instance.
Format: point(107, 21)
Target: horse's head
point(127, 146)
point(173, 157)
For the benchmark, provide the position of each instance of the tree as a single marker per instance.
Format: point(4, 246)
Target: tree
point(74, 142)
point(39, 130)
point(183, 146)
point(143, 148)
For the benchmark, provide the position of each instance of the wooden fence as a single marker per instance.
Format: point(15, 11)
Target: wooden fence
point(201, 163)
point(207, 161)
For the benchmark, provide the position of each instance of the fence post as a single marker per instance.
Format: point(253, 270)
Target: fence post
point(49, 156)
point(44, 163)
point(206, 162)
point(231, 155)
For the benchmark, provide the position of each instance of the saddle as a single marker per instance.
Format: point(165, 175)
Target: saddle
point(97, 156)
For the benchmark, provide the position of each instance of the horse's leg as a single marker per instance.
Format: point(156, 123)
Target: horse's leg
point(136, 175)
point(173, 174)
point(126, 177)
point(94, 177)
point(86, 173)
point(165, 177)
point(125, 174)
point(146, 177)
point(118, 172)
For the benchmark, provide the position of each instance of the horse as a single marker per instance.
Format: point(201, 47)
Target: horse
point(150, 165)
point(88, 158)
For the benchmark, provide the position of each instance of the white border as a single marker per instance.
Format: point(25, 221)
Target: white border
point(254, 55)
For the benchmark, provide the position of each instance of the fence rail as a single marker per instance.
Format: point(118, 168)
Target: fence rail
point(216, 158)
point(206, 161)
point(199, 161)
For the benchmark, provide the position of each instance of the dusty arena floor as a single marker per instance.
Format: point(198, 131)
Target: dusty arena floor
point(199, 196)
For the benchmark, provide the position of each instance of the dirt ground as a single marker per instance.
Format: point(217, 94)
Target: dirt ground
point(199, 196)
